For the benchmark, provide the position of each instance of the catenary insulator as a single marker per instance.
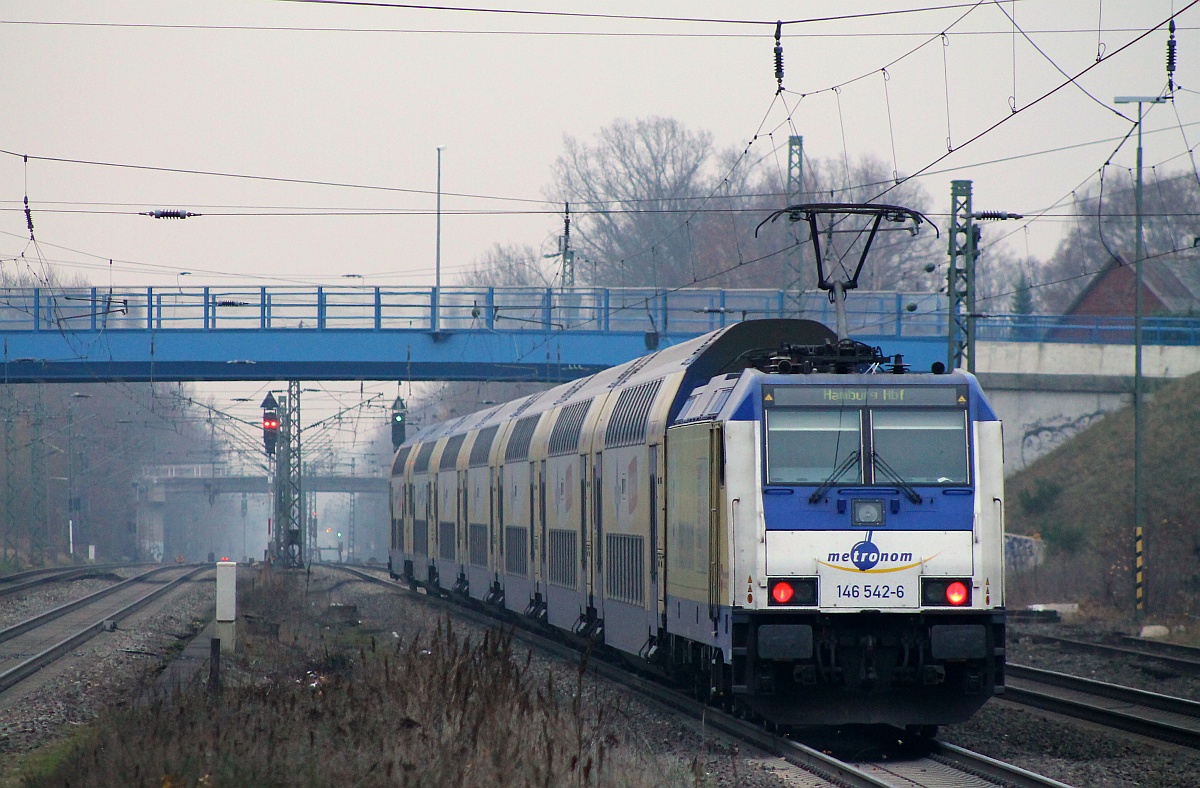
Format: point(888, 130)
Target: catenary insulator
point(779, 54)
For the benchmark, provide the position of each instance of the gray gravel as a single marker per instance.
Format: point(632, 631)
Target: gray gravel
point(1074, 752)
point(1145, 674)
point(102, 674)
point(39, 599)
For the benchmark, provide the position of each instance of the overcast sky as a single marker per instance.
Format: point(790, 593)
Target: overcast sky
point(363, 96)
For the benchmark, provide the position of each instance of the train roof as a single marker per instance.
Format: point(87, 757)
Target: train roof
point(726, 398)
point(725, 350)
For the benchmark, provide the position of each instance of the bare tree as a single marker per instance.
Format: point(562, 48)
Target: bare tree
point(1102, 232)
point(632, 190)
point(511, 265)
point(659, 206)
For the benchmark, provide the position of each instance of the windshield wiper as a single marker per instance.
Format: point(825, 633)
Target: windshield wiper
point(895, 477)
point(838, 472)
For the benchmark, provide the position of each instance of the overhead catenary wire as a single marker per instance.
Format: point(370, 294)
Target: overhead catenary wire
point(1020, 110)
point(630, 17)
point(1052, 62)
point(986, 131)
point(685, 221)
point(216, 209)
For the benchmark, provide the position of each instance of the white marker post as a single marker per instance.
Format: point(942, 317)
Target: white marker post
point(227, 604)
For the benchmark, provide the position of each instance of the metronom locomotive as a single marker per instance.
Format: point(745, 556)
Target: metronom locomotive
point(784, 521)
point(823, 548)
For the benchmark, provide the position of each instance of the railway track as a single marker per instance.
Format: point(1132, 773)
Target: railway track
point(24, 581)
point(1162, 648)
point(30, 645)
point(1179, 657)
point(1162, 717)
point(918, 763)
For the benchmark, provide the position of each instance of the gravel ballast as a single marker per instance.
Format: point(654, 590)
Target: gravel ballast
point(102, 674)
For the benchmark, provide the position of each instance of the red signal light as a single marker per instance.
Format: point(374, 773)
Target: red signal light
point(956, 593)
point(270, 424)
point(783, 592)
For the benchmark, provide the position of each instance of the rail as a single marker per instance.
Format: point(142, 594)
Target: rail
point(525, 309)
point(20, 663)
point(1145, 713)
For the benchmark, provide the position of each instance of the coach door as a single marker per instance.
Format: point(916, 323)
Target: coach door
point(543, 544)
point(716, 484)
point(656, 549)
point(435, 518)
point(461, 552)
point(499, 535)
point(596, 550)
point(533, 532)
point(583, 529)
point(491, 549)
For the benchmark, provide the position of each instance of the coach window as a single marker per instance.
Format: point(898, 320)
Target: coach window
point(921, 446)
point(808, 446)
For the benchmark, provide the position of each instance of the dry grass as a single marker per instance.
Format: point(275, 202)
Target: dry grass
point(320, 707)
point(1079, 498)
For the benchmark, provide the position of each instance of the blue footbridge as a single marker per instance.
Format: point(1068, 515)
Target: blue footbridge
point(460, 333)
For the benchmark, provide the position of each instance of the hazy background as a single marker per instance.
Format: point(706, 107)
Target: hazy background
point(323, 120)
point(363, 96)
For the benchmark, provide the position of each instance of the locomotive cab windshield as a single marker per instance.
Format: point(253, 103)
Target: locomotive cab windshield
point(910, 436)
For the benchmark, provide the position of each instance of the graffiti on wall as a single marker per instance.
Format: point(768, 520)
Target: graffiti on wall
point(1044, 435)
point(1022, 552)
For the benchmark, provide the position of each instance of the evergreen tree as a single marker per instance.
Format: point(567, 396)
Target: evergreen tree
point(1022, 297)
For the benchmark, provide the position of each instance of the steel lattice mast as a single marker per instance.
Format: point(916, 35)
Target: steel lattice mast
point(289, 498)
point(960, 283)
point(793, 285)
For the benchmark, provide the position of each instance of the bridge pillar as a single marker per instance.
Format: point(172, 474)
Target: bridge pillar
point(151, 501)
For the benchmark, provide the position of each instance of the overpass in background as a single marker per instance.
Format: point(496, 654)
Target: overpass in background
point(376, 333)
point(156, 484)
point(1049, 376)
point(216, 479)
point(501, 334)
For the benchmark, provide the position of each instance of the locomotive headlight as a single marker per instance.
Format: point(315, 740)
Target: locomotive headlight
point(867, 512)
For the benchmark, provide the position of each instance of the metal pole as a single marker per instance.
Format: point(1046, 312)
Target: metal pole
point(1138, 492)
point(437, 282)
point(1138, 430)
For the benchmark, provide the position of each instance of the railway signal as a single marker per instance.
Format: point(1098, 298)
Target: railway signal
point(399, 422)
point(270, 423)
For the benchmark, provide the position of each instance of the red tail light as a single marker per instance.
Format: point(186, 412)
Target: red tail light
point(946, 592)
point(792, 591)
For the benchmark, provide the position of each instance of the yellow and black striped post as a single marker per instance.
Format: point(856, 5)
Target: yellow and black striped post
point(1139, 570)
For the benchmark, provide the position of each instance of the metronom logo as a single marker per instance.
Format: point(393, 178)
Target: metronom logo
point(865, 556)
